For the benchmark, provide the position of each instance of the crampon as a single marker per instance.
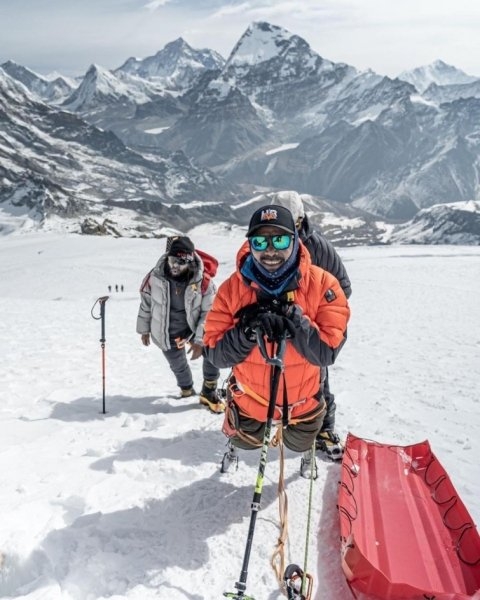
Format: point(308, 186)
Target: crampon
point(298, 585)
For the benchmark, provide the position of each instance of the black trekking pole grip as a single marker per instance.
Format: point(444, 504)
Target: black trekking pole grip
point(102, 301)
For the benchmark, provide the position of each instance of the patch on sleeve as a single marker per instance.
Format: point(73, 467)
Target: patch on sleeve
point(330, 295)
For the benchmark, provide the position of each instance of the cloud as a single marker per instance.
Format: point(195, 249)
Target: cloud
point(154, 4)
point(298, 9)
point(388, 37)
point(359, 32)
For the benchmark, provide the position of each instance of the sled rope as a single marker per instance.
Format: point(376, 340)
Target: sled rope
point(436, 486)
point(278, 557)
point(309, 518)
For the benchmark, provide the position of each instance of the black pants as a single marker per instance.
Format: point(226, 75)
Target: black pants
point(329, 420)
point(299, 437)
point(177, 359)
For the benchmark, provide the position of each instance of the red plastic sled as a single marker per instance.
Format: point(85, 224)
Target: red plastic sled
point(406, 535)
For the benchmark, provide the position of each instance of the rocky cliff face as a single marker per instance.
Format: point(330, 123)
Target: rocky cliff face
point(278, 115)
point(54, 163)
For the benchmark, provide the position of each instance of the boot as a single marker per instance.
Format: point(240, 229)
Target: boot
point(329, 442)
point(186, 392)
point(209, 396)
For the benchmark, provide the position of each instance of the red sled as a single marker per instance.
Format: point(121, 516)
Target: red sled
point(406, 534)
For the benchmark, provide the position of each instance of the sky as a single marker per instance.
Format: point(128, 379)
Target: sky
point(130, 505)
point(385, 35)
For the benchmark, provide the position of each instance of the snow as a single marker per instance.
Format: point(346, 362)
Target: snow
point(333, 220)
point(467, 206)
point(438, 73)
point(131, 504)
point(221, 88)
point(156, 130)
point(101, 81)
point(258, 45)
point(421, 100)
point(282, 148)
point(371, 114)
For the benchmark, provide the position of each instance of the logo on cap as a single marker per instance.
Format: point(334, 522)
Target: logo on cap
point(269, 214)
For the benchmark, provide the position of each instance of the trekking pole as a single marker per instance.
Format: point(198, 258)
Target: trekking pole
point(102, 300)
point(276, 362)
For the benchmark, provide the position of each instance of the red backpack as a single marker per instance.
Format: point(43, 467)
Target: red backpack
point(210, 266)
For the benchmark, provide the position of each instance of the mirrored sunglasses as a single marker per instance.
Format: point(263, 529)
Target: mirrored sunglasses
point(279, 242)
point(179, 260)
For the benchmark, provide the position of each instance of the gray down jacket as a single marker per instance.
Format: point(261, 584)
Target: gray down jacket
point(154, 312)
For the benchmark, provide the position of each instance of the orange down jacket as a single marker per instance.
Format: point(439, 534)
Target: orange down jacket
point(320, 325)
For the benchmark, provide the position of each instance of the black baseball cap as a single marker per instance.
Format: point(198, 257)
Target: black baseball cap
point(272, 214)
point(182, 247)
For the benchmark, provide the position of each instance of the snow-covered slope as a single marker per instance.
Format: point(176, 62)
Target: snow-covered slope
point(456, 223)
point(54, 163)
point(277, 115)
point(131, 505)
point(438, 72)
point(452, 92)
point(101, 87)
point(348, 136)
point(177, 66)
point(54, 88)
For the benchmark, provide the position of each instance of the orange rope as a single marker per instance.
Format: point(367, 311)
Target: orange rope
point(278, 557)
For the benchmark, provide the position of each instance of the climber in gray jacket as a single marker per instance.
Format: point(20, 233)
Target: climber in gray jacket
point(324, 255)
point(172, 313)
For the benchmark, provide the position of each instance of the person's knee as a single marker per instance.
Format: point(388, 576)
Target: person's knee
point(299, 441)
point(301, 437)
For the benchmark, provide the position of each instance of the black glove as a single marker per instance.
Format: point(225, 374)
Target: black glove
point(248, 313)
point(275, 327)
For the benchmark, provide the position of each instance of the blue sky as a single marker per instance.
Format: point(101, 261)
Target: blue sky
point(386, 35)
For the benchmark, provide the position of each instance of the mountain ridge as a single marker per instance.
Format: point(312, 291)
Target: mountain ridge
point(275, 115)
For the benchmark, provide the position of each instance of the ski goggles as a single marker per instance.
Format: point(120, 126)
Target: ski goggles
point(279, 242)
point(180, 260)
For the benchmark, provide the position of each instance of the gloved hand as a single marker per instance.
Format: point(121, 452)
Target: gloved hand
point(247, 313)
point(195, 350)
point(273, 319)
point(273, 326)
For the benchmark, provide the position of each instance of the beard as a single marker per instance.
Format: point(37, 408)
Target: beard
point(178, 273)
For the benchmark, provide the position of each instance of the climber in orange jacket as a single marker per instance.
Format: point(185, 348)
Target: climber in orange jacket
point(277, 289)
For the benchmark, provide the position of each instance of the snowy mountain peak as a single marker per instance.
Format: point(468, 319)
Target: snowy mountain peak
point(178, 43)
point(101, 79)
point(51, 90)
point(437, 72)
point(95, 70)
point(10, 88)
point(177, 65)
point(180, 52)
point(101, 85)
point(29, 78)
point(261, 42)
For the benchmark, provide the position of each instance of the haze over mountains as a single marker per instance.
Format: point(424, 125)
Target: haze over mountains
point(186, 125)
